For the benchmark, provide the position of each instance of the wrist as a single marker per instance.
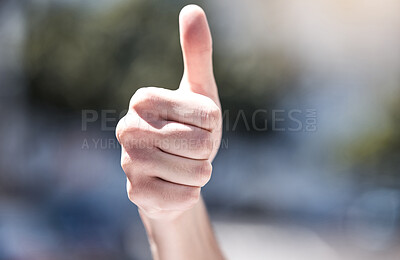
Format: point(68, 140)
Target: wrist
point(188, 235)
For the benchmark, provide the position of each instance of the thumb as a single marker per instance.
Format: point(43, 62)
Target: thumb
point(196, 46)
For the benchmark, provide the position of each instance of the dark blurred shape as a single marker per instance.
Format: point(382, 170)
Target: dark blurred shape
point(78, 58)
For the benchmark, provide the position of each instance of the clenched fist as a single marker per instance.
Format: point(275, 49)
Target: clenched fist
point(170, 137)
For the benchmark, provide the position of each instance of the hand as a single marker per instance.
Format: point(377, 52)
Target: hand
point(169, 138)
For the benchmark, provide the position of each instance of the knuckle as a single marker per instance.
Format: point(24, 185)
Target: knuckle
point(127, 124)
point(203, 143)
point(210, 115)
point(191, 197)
point(129, 164)
point(203, 172)
point(143, 96)
point(131, 192)
point(207, 142)
point(205, 114)
point(133, 132)
point(216, 117)
point(145, 93)
point(120, 129)
point(137, 163)
point(136, 192)
point(135, 196)
point(131, 195)
point(215, 113)
point(188, 198)
point(126, 162)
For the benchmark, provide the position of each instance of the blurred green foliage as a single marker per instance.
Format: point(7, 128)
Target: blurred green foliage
point(77, 58)
point(376, 153)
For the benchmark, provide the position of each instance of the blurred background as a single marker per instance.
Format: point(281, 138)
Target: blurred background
point(326, 186)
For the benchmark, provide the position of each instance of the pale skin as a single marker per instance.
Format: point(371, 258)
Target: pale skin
point(169, 139)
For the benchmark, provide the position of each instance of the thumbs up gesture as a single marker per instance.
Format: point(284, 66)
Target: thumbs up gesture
point(170, 137)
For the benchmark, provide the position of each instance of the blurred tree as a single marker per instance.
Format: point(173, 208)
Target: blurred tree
point(77, 59)
point(376, 154)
